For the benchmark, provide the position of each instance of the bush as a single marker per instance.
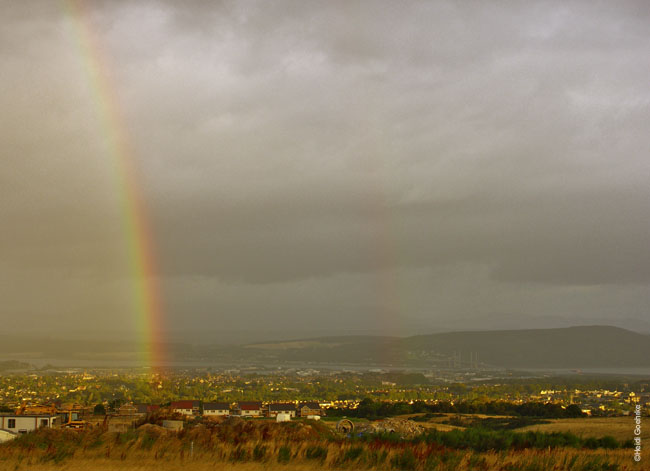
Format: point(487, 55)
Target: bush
point(284, 454)
point(609, 442)
point(148, 441)
point(316, 453)
point(126, 437)
point(353, 453)
point(239, 454)
point(259, 453)
point(58, 453)
point(405, 460)
point(376, 458)
point(598, 463)
point(477, 462)
point(482, 440)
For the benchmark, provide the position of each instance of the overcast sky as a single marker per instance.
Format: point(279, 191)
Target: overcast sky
point(312, 167)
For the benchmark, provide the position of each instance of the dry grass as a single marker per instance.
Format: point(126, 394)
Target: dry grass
point(115, 465)
point(529, 460)
point(256, 445)
point(621, 428)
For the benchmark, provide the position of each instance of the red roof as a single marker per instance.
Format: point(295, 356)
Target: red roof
point(250, 405)
point(182, 404)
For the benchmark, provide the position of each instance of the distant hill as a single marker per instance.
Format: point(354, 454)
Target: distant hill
point(571, 347)
point(560, 348)
point(13, 365)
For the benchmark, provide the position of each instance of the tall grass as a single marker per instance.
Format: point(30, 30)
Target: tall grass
point(265, 445)
point(482, 440)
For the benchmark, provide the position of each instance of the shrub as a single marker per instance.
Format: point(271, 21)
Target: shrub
point(432, 463)
point(58, 453)
point(316, 453)
point(404, 461)
point(477, 462)
point(284, 454)
point(259, 453)
point(239, 454)
point(126, 437)
point(353, 453)
point(451, 460)
point(608, 442)
point(598, 463)
point(96, 443)
point(148, 441)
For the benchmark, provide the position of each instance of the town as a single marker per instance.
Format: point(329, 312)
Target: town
point(73, 397)
point(28, 418)
point(314, 415)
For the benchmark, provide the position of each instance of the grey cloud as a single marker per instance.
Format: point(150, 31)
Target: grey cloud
point(289, 151)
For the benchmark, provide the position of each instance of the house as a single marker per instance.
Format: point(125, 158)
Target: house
point(216, 409)
point(23, 423)
point(283, 408)
point(144, 409)
point(309, 408)
point(186, 407)
point(127, 410)
point(248, 409)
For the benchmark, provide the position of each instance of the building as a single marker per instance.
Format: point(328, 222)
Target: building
point(119, 427)
point(309, 408)
point(144, 409)
point(283, 408)
point(248, 409)
point(5, 436)
point(216, 409)
point(282, 417)
point(23, 423)
point(174, 425)
point(127, 410)
point(186, 407)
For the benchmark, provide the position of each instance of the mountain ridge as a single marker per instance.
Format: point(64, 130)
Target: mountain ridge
point(562, 347)
point(595, 346)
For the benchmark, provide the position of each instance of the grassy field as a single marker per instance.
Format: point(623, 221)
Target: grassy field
point(569, 460)
point(240, 445)
point(621, 428)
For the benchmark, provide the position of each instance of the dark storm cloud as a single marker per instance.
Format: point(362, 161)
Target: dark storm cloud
point(477, 158)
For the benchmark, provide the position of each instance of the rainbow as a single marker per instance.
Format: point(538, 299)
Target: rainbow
point(147, 302)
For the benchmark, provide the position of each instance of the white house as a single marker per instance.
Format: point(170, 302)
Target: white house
point(186, 407)
point(249, 409)
point(19, 423)
point(288, 408)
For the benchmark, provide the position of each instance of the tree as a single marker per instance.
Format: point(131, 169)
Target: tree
point(574, 411)
point(99, 409)
point(115, 404)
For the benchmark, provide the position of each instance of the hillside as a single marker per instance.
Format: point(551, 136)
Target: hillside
point(260, 444)
point(572, 347)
